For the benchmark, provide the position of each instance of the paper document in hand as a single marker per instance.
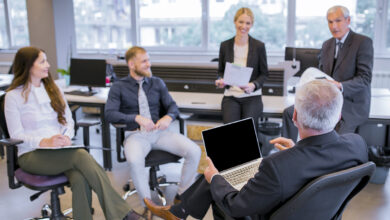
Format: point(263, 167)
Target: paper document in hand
point(236, 75)
point(311, 74)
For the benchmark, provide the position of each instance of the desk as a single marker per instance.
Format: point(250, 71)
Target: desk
point(210, 104)
point(207, 103)
point(5, 80)
point(98, 100)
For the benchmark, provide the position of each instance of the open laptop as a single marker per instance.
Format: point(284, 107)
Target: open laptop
point(234, 150)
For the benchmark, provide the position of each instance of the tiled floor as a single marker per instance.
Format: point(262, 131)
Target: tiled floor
point(372, 203)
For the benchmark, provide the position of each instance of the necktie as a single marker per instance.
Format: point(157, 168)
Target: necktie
point(339, 45)
point(143, 102)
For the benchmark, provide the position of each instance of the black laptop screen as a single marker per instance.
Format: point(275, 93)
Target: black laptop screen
point(232, 144)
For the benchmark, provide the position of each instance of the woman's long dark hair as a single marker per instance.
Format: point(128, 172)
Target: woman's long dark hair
point(23, 61)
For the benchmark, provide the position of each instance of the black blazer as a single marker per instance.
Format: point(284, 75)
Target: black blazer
point(257, 58)
point(284, 173)
point(354, 70)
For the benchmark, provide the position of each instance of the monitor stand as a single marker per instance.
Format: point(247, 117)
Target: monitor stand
point(290, 68)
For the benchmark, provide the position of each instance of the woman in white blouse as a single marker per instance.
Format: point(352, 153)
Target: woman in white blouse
point(37, 113)
point(244, 50)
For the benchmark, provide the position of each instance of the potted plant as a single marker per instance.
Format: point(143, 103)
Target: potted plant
point(65, 74)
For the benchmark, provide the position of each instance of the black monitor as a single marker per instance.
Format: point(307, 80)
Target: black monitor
point(308, 57)
point(88, 72)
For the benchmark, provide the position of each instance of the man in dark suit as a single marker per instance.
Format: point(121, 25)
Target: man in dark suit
point(348, 58)
point(320, 151)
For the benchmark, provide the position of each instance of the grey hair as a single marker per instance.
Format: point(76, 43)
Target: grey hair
point(343, 9)
point(318, 104)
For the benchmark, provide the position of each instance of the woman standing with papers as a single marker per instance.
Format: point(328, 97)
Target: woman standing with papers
point(37, 113)
point(245, 100)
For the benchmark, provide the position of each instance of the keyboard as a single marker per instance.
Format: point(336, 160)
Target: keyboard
point(80, 93)
point(239, 176)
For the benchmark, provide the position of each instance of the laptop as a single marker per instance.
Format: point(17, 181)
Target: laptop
point(234, 150)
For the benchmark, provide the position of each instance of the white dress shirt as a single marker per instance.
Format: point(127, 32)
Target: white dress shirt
point(34, 119)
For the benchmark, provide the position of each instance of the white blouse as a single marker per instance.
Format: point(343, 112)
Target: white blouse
point(240, 58)
point(35, 119)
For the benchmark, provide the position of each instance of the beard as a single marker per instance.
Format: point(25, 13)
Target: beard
point(146, 73)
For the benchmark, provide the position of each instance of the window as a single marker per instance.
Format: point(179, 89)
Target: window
point(269, 25)
point(3, 28)
point(18, 23)
point(311, 28)
point(170, 23)
point(14, 29)
point(102, 24)
point(388, 29)
point(201, 25)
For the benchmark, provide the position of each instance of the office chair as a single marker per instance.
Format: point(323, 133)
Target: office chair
point(154, 159)
point(41, 183)
point(327, 196)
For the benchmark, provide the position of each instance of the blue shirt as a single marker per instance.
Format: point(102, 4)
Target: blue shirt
point(122, 103)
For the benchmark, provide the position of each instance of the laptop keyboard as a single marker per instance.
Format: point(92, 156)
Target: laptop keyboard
point(239, 176)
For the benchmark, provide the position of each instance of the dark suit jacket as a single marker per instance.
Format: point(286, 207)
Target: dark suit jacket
point(354, 70)
point(257, 58)
point(282, 174)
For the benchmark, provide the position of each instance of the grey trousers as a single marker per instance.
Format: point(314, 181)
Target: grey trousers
point(84, 175)
point(139, 144)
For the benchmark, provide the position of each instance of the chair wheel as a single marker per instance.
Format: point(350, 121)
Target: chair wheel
point(46, 211)
point(126, 187)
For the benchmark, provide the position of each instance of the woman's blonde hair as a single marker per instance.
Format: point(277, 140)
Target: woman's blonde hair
point(246, 11)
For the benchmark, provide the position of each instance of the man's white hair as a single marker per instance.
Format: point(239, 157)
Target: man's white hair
point(318, 104)
point(343, 9)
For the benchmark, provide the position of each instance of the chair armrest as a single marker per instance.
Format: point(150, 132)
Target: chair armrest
point(117, 125)
point(87, 123)
point(120, 137)
point(11, 160)
point(10, 141)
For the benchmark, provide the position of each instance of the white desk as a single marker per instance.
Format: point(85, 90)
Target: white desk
point(98, 100)
point(5, 80)
point(210, 104)
point(273, 105)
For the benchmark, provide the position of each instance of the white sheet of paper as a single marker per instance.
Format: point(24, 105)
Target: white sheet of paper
point(64, 147)
point(236, 75)
point(311, 74)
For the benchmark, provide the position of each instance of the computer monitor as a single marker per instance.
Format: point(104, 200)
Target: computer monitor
point(88, 72)
point(308, 57)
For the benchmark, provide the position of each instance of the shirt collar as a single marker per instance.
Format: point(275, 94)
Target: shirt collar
point(343, 38)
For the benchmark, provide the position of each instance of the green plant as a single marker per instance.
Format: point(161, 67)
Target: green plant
point(64, 72)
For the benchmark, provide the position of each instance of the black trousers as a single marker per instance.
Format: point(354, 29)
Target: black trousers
point(196, 200)
point(290, 131)
point(234, 109)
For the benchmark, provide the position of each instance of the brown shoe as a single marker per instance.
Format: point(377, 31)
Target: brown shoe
point(160, 211)
point(132, 215)
point(176, 200)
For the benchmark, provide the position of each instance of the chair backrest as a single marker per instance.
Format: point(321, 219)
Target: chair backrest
point(3, 124)
point(12, 151)
point(326, 197)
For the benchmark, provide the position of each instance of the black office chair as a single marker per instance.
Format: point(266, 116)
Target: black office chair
point(41, 183)
point(327, 196)
point(154, 159)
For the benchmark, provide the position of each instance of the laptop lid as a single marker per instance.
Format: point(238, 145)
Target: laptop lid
point(232, 144)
